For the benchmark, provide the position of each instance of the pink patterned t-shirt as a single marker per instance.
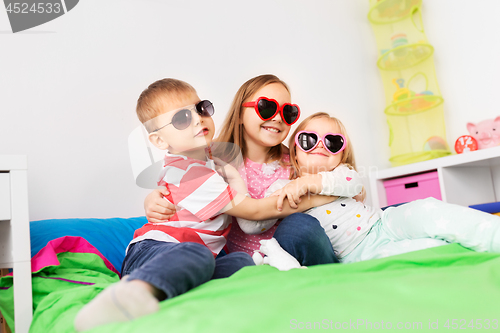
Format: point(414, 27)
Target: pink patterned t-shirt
point(258, 177)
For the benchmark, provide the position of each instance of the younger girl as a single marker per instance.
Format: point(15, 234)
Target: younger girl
point(322, 159)
point(258, 121)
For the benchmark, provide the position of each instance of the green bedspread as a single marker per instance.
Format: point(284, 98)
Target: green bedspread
point(445, 287)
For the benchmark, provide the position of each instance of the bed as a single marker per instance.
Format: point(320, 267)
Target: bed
point(443, 288)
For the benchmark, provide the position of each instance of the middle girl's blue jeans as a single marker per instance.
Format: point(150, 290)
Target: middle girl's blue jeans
point(302, 236)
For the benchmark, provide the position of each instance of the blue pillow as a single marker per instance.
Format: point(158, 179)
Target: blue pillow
point(110, 236)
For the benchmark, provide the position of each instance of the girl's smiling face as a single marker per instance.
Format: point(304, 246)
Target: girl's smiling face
point(319, 159)
point(269, 133)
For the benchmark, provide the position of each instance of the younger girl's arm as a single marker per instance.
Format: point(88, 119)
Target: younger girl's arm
point(340, 182)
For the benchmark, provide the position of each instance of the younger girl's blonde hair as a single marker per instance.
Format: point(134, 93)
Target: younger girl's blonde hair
point(347, 153)
point(232, 129)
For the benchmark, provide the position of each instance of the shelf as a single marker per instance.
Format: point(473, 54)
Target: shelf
point(464, 179)
point(413, 105)
point(418, 156)
point(390, 11)
point(483, 157)
point(405, 56)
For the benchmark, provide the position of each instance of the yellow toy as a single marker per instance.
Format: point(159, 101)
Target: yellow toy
point(414, 105)
point(401, 93)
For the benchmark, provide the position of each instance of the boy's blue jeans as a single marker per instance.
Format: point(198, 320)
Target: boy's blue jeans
point(302, 236)
point(175, 268)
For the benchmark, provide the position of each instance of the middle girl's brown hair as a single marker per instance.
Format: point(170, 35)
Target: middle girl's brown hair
point(232, 129)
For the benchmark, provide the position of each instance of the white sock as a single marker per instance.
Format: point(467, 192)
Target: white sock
point(276, 256)
point(122, 301)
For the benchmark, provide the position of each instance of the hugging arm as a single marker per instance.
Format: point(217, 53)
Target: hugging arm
point(266, 208)
point(250, 225)
point(253, 227)
point(340, 182)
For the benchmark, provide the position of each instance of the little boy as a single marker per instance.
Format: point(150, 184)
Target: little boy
point(167, 259)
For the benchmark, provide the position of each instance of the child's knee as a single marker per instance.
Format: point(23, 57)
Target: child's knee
point(243, 259)
point(300, 220)
point(199, 253)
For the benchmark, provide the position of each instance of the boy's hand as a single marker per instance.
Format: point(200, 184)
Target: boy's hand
point(158, 208)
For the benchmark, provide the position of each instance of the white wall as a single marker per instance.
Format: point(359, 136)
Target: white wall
point(467, 58)
point(465, 38)
point(68, 88)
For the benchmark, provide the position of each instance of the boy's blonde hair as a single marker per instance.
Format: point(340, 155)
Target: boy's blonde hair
point(232, 129)
point(152, 100)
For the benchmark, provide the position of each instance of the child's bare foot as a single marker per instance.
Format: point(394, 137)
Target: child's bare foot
point(122, 301)
point(276, 256)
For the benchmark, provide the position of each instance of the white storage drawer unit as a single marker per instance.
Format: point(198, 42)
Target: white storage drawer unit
point(15, 245)
point(4, 196)
point(466, 179)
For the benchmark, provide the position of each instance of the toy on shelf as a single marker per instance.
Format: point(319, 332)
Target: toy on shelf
point(388, 11)
point(465, 143)
point(399, 39)
point(413, 109)
point(401, 93)
point(406, 101)
point(435, 143)
point(405, 56)
point(486, 132)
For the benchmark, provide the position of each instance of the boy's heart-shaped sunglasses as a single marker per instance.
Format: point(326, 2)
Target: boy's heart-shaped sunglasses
point(333, 142)
point(268, 108)
point(183, 116)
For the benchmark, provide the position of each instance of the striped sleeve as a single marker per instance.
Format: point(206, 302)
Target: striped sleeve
point(197, 188)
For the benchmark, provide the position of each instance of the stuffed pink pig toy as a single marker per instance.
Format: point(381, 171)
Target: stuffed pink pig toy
point(487, 132)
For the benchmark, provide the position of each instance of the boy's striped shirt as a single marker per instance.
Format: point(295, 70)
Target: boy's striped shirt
point(200, 193)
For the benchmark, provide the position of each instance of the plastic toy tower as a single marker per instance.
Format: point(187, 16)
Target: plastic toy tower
point(414, 106)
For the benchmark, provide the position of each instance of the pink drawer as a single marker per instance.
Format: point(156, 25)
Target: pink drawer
point(414, 187)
